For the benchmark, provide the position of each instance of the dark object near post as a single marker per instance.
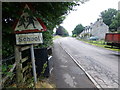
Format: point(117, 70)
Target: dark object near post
point(41, 57)
point(49, 50)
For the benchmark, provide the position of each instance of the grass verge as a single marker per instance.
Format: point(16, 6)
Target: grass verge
point(101, 44)
point(57, 36)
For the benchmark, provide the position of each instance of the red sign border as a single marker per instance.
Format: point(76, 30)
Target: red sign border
point(29, 31)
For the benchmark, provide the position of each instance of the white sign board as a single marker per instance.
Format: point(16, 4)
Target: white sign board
point(29, 38)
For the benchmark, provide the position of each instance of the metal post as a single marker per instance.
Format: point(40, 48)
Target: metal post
point(33, 63)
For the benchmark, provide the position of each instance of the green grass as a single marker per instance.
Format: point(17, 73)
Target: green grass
point(56, 37)
point(100, 43)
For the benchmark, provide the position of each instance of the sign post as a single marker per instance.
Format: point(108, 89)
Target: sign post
point(27, 30)
point(33, 63)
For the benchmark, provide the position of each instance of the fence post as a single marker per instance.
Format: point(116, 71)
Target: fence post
point(19, 74)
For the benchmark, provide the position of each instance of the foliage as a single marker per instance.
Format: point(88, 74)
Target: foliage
point(86, 34)
point(116, 22)
point(74, 35)
point(51, 13)
point(5, 70)
point(47, 39)
point(65, 32)
point(56, 37)
point(108, 16)
point(78, 29)
point(7, 44)
point(44, 68)
point(100, 43)
point(61, 31)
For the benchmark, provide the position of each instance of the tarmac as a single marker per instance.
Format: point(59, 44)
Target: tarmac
point(64, 72)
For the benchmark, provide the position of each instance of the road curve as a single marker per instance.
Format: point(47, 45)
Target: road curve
point(100, 63)
point(64, 71)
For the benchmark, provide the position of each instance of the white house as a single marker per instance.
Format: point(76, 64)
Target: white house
point(98, 29)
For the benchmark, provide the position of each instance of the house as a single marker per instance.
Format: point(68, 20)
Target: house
point(98, 29)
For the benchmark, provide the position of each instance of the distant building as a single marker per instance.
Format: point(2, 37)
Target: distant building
point(86, 32)
point(98, 29)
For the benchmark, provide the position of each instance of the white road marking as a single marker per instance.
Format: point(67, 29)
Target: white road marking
point(51, 70)
point(49, 57)
point(89, 76)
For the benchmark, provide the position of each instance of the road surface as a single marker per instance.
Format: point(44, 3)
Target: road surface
point(101, 64)
point(65, 73)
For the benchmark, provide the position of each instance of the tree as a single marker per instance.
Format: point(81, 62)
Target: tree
point(65, 32)
point(51, 13)
point(78, 29)
point(108, 15)
point(115, 25)
point(61, 31)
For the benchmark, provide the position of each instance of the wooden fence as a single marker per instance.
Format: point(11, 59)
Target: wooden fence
point(19, 64)
point(20, 74)
point(22, 71)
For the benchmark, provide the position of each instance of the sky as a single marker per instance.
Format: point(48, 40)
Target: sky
point(87, 13)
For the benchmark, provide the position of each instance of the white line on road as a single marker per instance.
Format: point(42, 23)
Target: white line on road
point(89, 76)
point(49, 57)
point(51, 70)
point(49, 60)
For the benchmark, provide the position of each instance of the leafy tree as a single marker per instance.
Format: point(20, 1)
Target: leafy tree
point(78, 29)
point(65, 32)
point(108, 15)
point(61, 31)
point(51, 13)
point(115, 22)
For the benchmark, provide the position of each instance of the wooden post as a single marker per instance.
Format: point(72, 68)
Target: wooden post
point(19, 74)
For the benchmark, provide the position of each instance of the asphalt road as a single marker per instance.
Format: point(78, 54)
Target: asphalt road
point(65, 73)
point(101, 64)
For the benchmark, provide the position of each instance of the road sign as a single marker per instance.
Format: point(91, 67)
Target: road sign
point(29, 38)
point(28, 22)
point(26, 30)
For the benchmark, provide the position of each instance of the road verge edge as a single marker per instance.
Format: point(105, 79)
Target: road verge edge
point(87, 74)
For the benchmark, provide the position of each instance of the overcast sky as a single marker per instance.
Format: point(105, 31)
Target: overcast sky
point(87, 13)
